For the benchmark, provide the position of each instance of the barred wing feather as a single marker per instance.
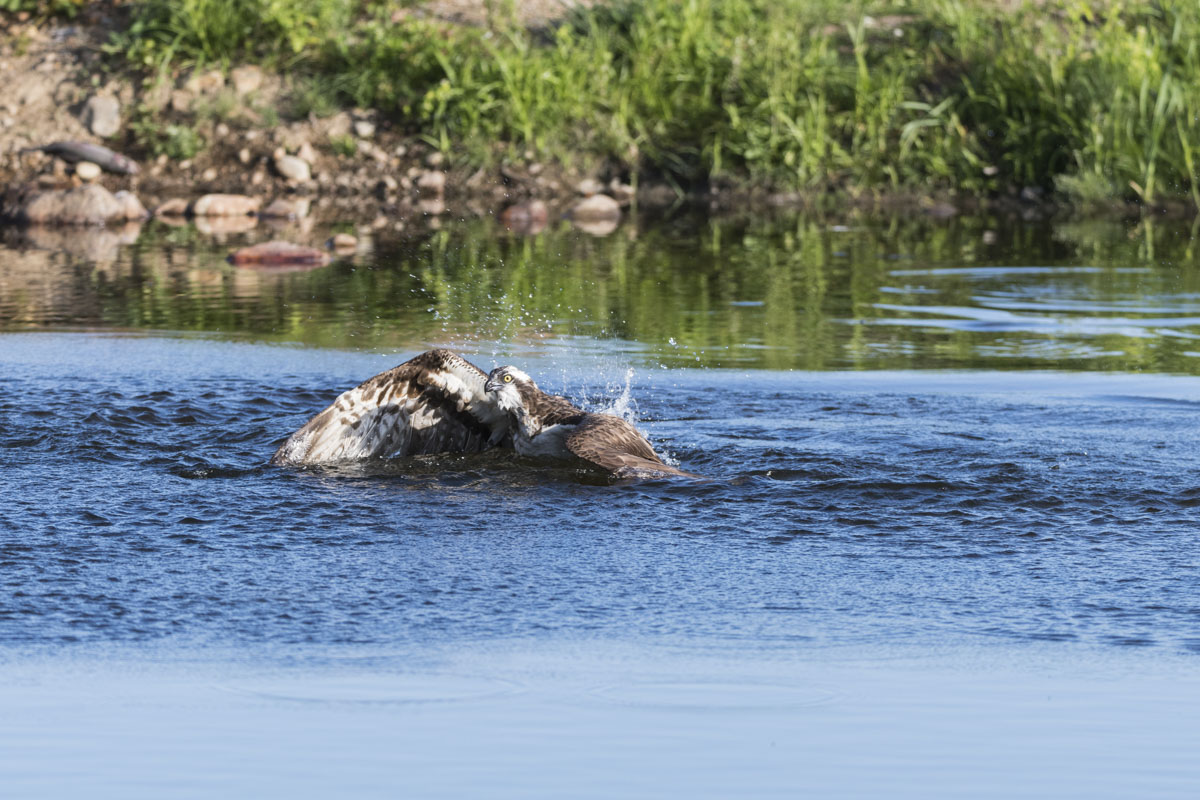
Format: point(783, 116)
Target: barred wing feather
point(434, 403)
point(614, 444)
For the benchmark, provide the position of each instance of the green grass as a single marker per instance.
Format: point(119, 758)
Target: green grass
point(49, 8)
point(951, 95)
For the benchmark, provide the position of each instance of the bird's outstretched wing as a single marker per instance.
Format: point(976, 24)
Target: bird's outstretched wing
point(614, 444)
point(434, 403)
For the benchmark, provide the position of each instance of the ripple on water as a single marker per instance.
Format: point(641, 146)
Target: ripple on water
point(844, 509)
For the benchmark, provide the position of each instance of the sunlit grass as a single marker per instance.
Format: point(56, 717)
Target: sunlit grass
point(929, 95)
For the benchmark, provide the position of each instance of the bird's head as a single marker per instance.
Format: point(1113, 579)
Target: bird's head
point(507, 384)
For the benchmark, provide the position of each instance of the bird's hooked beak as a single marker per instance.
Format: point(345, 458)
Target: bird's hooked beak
point(490, 386)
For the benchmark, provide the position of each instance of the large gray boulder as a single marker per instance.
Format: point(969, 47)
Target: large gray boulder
point(90, 204)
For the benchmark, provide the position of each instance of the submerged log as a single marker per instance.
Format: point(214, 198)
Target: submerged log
point(74, 152)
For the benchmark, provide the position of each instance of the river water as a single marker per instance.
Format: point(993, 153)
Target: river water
point(947, 544)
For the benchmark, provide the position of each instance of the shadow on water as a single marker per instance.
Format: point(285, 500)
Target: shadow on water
point(776, 293)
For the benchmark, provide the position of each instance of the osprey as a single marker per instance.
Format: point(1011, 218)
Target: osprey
point(441, 403)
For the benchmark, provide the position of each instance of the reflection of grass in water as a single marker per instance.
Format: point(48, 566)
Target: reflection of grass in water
point(778, 294)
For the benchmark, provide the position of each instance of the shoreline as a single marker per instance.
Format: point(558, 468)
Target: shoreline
point(218, 130)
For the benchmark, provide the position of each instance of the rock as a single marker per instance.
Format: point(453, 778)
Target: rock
point(526, 218)
point(209, 82)
point(225, 205)
point(364, 129)
point(295, 170)
point(246, 79)
point(102, 116)
point(432, 184)
point(622, 192)
point(90, 204)
point(277, 253)
point(596, 208)
point(87, 171)
point(175, 207)
point(209, 175)
point(432, 207)
point(589, 186)
point(181, 101)
point(434, 159)
point(283, 208)
point(131, 207)
point(307, 153)
point(342, 242)
point(222, 130)
point(338, 125)
point(244, 155)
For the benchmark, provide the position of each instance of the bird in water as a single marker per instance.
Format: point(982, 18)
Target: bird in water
point(441, 403)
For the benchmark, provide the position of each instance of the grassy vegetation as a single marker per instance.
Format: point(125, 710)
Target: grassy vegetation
point(1093, 99)
point(66, 8)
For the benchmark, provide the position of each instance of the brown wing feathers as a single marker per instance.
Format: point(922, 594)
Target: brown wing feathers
point(430, 404)
point(614, 444)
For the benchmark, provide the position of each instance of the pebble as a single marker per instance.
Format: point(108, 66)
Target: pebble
point(589, 186)
point(435, 159)
point(181, 100)
point(175, 207)
point(209, 174)
point(246, 79)
point(295, 170)
point(364, 129)
point(306, 153)
point(205, 82)
point(102, 115)
point(244, 155)
point(432, 183)
point(87, 171)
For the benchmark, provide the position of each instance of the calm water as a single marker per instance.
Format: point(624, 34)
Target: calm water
point(949, 536)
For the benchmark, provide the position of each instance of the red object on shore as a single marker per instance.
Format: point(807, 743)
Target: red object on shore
point(279, 253)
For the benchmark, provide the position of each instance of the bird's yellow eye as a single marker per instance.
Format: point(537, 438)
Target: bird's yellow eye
point(508, 378)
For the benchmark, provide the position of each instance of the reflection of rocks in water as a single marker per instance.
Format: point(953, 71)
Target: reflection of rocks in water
point(598, 215)
point(602, 227)
point(92, 244)
point(40, 287)
point(279, 255)
point(219, 226)
point(526, 219)
point(291, 228)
